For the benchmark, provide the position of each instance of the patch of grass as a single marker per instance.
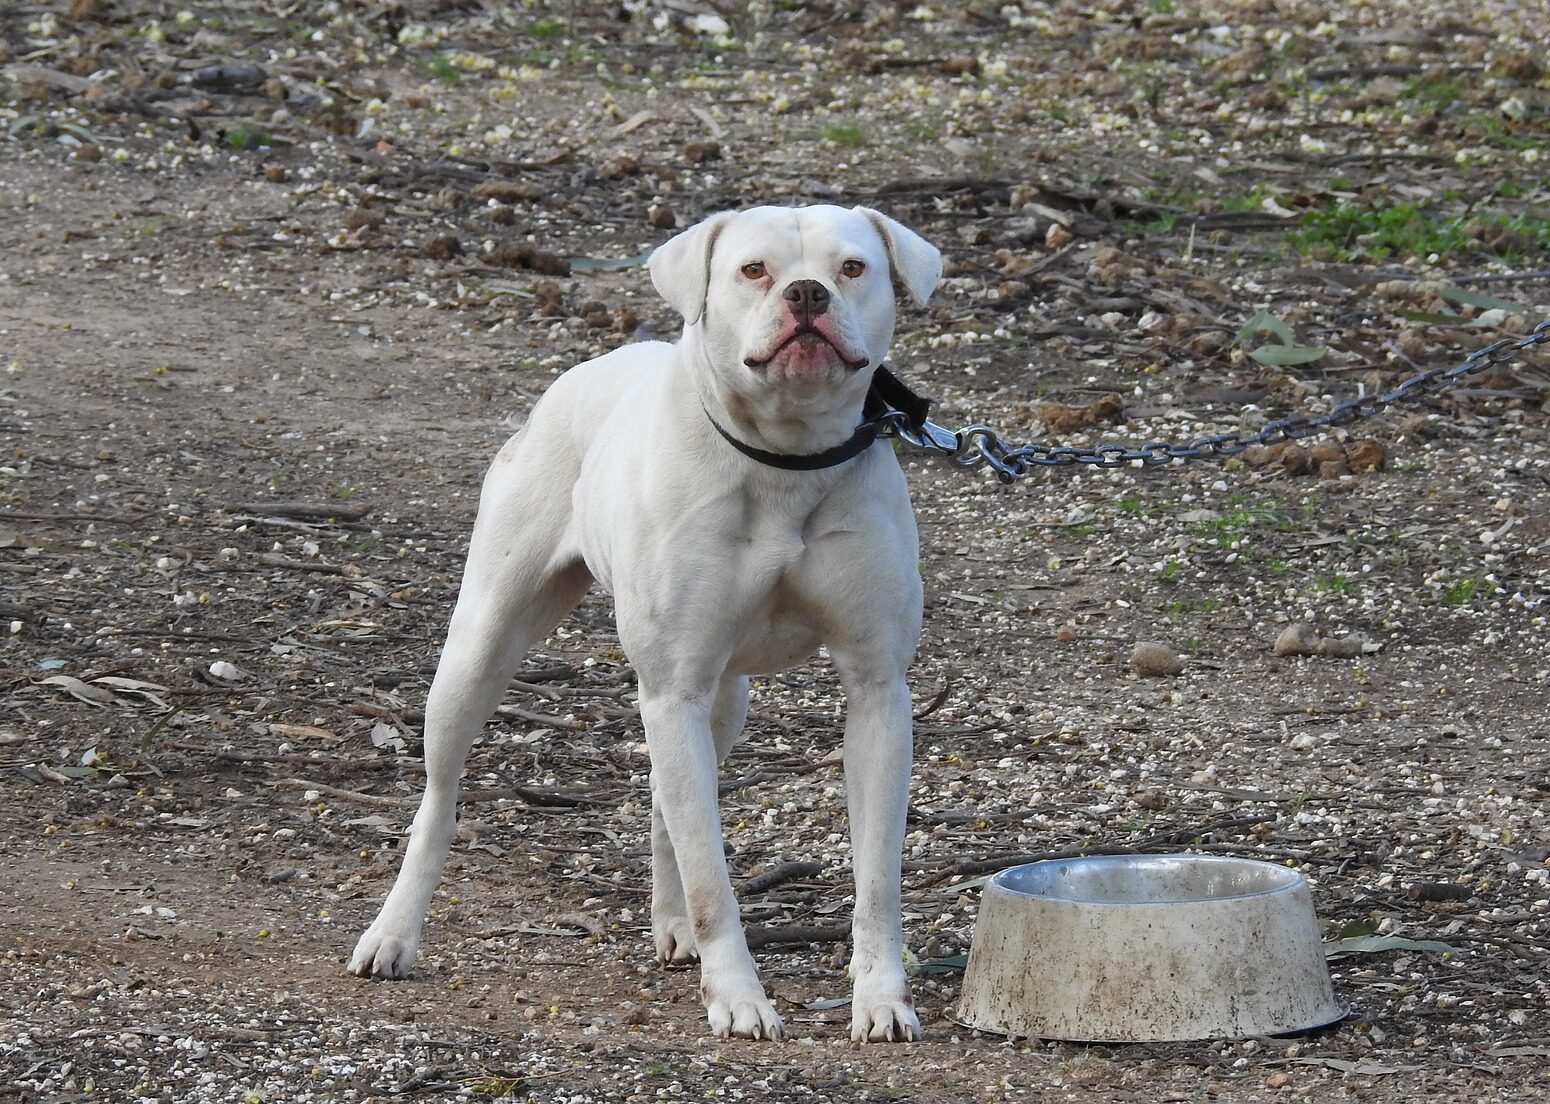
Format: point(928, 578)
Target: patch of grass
point(1403, 228)
point(497, 1086)
point(1438, 91)
point(546, 28)
point(1335, 584)
point(1162, 224)
point(1245, 515)
point(442, 69)
point(844, 134)
point(245, 138)
point(1407, 229)
point(1177, 610)
point(1463, 591)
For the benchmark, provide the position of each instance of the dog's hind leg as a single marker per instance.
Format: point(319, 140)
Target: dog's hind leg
point(515, 588)
point(670, 928)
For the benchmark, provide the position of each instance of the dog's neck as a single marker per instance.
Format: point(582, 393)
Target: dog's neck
point(775, 419)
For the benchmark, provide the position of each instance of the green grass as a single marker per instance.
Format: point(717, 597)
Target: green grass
point(1335, 584)
point(1463, 591)
point(844, 134)
point(442, 69)
point(1438, 91)
point(1178, 609)
point(1407, 229)
point(1244, 516)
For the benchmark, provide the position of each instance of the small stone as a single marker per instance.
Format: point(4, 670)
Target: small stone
point(275, 174)
point(1153, 800)
point(1066, 634)
point(88, 152)
point(1155, 660)
point(1297, 639)
point(661, 216)
point(1056, 236)
point(1278, 1080)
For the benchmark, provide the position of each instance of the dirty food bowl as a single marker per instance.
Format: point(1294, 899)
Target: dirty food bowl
point(1133, 948)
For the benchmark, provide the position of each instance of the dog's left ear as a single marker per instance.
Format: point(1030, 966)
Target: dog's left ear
point(917, 264)
point(680, 266)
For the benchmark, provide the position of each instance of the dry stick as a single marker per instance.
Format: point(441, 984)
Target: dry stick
point(316, 567)
point(764, 937)
point(307, 511)
point(780, 872)
point(375, 800)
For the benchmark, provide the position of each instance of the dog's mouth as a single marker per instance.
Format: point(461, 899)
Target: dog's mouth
point(807, 340)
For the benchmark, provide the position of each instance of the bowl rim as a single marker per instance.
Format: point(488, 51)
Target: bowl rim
point(1289, 879)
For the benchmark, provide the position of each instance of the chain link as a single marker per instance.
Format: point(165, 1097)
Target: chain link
point(977, 444)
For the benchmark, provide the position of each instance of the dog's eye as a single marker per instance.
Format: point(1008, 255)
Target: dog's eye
point(852, 269)
point(754, 271)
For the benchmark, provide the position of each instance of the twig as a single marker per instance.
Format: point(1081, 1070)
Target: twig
point(779, 873)
point(318, 567)
point(545, 719)
point(936, 702)
point(307, 511)
point(375, 800)
point(765, 937)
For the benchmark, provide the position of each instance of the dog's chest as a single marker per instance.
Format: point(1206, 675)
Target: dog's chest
point(776, 620)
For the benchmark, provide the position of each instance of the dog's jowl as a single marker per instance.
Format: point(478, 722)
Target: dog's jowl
point(719, 489)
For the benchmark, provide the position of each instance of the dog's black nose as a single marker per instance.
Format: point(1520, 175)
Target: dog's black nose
point(808, 299)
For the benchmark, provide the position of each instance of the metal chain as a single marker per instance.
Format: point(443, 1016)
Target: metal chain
point(977, 444)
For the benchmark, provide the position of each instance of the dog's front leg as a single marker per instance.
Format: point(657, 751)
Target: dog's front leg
point(878, 751)
point(683, 792)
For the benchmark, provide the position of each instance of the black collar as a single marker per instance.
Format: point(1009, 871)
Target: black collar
point(886, 394)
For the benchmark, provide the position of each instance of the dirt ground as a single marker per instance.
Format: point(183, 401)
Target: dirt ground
point(276, 281)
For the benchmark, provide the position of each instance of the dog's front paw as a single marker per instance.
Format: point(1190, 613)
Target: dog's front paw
point(885, 1023)
point(674, 939)
point(380, 955)
point(884, 1020)
point(745, 1014)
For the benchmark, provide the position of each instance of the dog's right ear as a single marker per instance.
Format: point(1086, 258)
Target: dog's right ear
point(680, 266)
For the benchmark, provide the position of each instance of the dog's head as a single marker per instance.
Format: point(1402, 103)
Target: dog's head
point(795, 299)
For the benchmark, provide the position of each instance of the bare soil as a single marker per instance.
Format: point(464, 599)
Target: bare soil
point(263, 329)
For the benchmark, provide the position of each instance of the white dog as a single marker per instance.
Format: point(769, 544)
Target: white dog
point(720, 489)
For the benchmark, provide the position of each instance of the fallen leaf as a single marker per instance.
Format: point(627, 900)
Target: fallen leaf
point(1377, 944)
point(82, 691)
point(1367, 1069)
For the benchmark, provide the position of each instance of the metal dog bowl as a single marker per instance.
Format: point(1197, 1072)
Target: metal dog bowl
point(1147, 948)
